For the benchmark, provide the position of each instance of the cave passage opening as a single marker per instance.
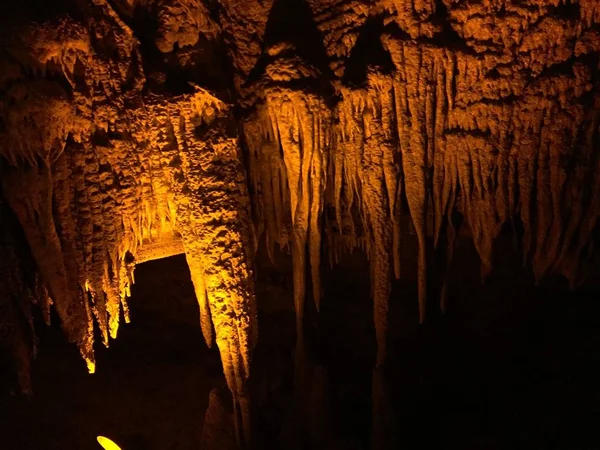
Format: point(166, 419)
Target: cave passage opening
point(151, 389)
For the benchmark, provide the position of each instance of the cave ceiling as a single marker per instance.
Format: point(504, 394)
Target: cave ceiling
point(137, 129)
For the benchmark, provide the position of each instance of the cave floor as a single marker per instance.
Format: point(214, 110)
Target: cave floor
point(511, 366)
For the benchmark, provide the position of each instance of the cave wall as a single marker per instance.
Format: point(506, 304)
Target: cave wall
point(96, 170)
point(137, 129)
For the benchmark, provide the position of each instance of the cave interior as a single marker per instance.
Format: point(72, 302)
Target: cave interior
point(299, 224)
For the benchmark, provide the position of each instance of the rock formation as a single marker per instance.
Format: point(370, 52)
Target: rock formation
point(132, 130)
point(95, 170)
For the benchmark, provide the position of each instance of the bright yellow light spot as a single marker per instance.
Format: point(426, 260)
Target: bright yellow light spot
point(107, 444)
point(91, 365)
point(87, 286)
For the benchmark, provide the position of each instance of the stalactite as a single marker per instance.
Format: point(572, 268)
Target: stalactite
point(63, 199)
point(415, 118)
point(476, 111)
point(365, 155)
point(212, 216)
point(29, 193)
point(450, 238)
point(298, 123)
point(461, 140)
point(290, 135)
point(213, 219)
point(114, 186)
point(382, 427)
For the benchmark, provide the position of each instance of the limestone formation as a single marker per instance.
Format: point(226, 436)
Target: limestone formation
point(101, 170)
point(338, 119)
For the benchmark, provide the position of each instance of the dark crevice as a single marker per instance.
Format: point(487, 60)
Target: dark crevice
point(12, 12)
point(290, 22)
point(368, 52)
point(450, 38)
point(566, 67)
point(565, 11)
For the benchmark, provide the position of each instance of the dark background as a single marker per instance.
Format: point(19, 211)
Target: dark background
point(510, 366)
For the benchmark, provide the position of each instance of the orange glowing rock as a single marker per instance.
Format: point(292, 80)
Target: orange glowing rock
point(382, 111)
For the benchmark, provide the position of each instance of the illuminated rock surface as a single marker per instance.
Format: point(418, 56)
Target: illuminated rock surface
point(319, 126)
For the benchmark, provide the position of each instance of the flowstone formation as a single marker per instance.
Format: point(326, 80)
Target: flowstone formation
point(438, 108)
point(132, 130)
point(96, 170)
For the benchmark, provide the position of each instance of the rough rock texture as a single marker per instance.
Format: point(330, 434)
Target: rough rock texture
point(95, 170)
point(453, 107)
point(351, 115)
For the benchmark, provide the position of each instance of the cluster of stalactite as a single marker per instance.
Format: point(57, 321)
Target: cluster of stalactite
point(94, 172)
point(419, 109)
point(445, 129)
point(288, 169)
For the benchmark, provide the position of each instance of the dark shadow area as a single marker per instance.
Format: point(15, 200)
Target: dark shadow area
point(204, 64)
point(150, 389)
point(291, 21)
point(368, 53)
point(291, 27)
point(509, 366)
point(36, 10)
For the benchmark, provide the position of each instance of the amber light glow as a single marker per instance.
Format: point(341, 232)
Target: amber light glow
point(387, 126)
